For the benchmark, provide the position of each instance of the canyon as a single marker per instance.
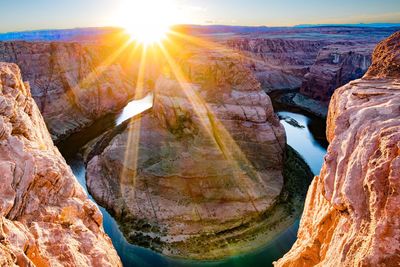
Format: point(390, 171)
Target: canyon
point(80, 78)
point(336, 65)
point(208, 163)
point(351, 215)
point(203, 165)
point(304, 67)
point(278, 64)
point(46, 219)
point(73, 84)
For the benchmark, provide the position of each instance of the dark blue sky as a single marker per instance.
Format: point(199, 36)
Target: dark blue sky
point(45, 14)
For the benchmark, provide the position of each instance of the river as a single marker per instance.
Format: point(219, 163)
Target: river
point(304, 134)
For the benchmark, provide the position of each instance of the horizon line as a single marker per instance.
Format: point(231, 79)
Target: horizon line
point(360, 24)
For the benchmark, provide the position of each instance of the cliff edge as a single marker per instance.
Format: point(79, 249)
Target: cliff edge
point(46, 219)
point(351, 215)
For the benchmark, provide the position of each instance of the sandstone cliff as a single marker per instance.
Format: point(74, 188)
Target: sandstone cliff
point(315, 68)
point(200, 168)
point(352, 210)
point(336, 65)
point(46, 219)
point(72, 84)
point(278, 63)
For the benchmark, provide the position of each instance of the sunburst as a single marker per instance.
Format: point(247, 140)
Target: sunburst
point(147, 22)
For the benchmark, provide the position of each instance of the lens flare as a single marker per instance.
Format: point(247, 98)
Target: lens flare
point(149, 21)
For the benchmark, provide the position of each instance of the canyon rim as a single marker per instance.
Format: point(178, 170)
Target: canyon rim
point(181, 135)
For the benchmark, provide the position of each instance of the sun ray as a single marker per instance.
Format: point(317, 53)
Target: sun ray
point(147, 22)
point(132, 144)
point(100, 68)
point(220, 48)
point(217, 131)
point(241, 166)
point(224, 141)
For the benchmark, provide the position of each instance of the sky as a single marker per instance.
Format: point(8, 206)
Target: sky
point(19, 15)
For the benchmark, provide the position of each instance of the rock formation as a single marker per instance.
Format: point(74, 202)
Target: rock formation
point(336, 65)
point(278, 63)
point(72, 84)
point(386, 59)
point(199, 168)
point(304, 71)
point(352, 209)
point(46, 219)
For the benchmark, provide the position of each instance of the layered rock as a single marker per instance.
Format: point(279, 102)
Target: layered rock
point(202, 166)
point(46, 219)
point(278, 63)
point(300, 68)
point(72, 84)
point(352, 210)
point(336, 65)
point(386, 59)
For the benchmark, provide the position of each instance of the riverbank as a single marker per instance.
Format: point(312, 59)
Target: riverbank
point(243, 238)
point(264, 248)
point(292, 99)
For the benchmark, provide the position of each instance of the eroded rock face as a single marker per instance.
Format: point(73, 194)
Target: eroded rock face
point(278, 63)
point(335, 66)
point(201, 166)
point(352, 210)
point(386, 59)
point(314, 67)
point(46, 219)
point(72, 84)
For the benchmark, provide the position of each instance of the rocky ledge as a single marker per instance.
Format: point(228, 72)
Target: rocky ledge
point(352, 209)
point(46, 219)
point(73, 84)
point(204, 166)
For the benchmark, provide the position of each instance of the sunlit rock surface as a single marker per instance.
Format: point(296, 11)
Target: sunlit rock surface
point(72, 84)
point(352, 210)
point(201, 166)
point(46, 219)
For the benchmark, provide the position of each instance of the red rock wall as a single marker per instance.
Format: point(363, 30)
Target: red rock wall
point(72, 84)
point(335, 66)
point(278, 63)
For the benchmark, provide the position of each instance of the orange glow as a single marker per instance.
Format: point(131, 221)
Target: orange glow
point(147, 22)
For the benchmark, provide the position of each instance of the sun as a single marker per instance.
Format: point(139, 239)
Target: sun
point(147, 21)
point(148, 34)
